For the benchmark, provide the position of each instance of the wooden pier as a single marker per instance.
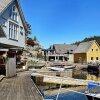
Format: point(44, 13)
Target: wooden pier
point(20, 87)
point(65, 81)
point(62, 80)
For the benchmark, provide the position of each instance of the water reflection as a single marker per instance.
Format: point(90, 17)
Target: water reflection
point(86, 74)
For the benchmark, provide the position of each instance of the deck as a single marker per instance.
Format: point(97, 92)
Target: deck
point(65, 81)
point(20, 87)
point(62, 80)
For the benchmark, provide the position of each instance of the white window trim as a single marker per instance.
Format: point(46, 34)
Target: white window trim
point(96, 58)
point(12, 14)
point(92, 59)
point(12, 37)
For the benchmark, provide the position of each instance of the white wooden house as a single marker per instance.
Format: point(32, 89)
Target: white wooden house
point(13, 28)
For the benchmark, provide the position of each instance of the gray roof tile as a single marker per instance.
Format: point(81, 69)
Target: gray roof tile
point(4, 4)
point(64, 48)
point(84, 47)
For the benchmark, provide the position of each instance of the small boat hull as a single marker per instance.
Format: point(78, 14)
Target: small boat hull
point(93, 67)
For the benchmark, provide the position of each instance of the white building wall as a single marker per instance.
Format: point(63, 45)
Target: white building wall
point(4, 19)
point(71, 58)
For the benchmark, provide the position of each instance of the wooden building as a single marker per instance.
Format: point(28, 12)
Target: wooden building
point(60, 52)
point(13, 28)
point(87, 52)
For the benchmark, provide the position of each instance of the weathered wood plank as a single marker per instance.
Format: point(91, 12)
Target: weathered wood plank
point(20, 87)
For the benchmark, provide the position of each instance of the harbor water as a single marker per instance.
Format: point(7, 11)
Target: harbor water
point(68, 96)
point(81, 74)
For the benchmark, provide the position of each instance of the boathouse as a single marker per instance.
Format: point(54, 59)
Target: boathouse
point(13, 28)
point(87, 52)
point(60, 52)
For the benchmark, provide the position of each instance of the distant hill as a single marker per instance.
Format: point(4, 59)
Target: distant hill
point(97, 38)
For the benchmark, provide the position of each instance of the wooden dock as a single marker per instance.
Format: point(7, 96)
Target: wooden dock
point(65, 81)
point(20, 87)
point(62, 80)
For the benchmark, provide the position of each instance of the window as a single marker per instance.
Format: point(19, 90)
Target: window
point(21, 30)
point(91, 58)
point(97, 58)
point(92, 49)
point(13, 31)
point(97, 50)
point(3, 24)
point(13, 13)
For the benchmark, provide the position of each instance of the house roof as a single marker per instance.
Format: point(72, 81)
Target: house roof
point(64, 48)
point(5, 3)
point(84, 47)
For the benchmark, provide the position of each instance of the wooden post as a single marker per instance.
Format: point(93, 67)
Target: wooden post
point(11, 66)
point(55, 59)
point(63, 59)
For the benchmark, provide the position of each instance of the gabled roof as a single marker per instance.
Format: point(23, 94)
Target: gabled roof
point(64, 48)
point(5, 3)
point(84, 47)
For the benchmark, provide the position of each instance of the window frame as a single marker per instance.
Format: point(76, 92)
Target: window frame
point(96, 50)
point(13, 13)
point(92, 58)
point(92, 50)
point(21, 30)
point(13, 31)
point(97, 58)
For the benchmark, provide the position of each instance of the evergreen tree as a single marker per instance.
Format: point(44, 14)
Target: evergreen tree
point(97, 38)
point(29, 30)
point(35, 38)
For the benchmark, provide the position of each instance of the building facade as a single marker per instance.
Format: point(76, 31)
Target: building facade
point(60, 52)
point(13, 28)
point(87, 52)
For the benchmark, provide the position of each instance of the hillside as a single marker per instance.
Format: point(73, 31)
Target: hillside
point(33, 50)
point(97, 38)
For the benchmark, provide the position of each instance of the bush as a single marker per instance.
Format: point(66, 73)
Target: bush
point(39, 55)
point(31, 64)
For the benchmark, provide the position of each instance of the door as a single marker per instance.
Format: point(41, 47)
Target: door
point(2, 66)
point(11, 67)
point(80, 59)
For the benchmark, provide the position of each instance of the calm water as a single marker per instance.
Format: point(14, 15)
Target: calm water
point(81, 74)
point(68, 96)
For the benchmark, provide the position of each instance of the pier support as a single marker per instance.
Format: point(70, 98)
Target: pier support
point(63, 59)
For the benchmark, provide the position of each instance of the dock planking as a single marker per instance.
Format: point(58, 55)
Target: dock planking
point(20, 87)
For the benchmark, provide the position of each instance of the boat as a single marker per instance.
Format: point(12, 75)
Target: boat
point(93, 67)
point(61, 68)
point(56, 68)
point(69, 67)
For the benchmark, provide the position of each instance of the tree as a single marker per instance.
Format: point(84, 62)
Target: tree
point(29, 30)
point(97, 38)
point(35, 38)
